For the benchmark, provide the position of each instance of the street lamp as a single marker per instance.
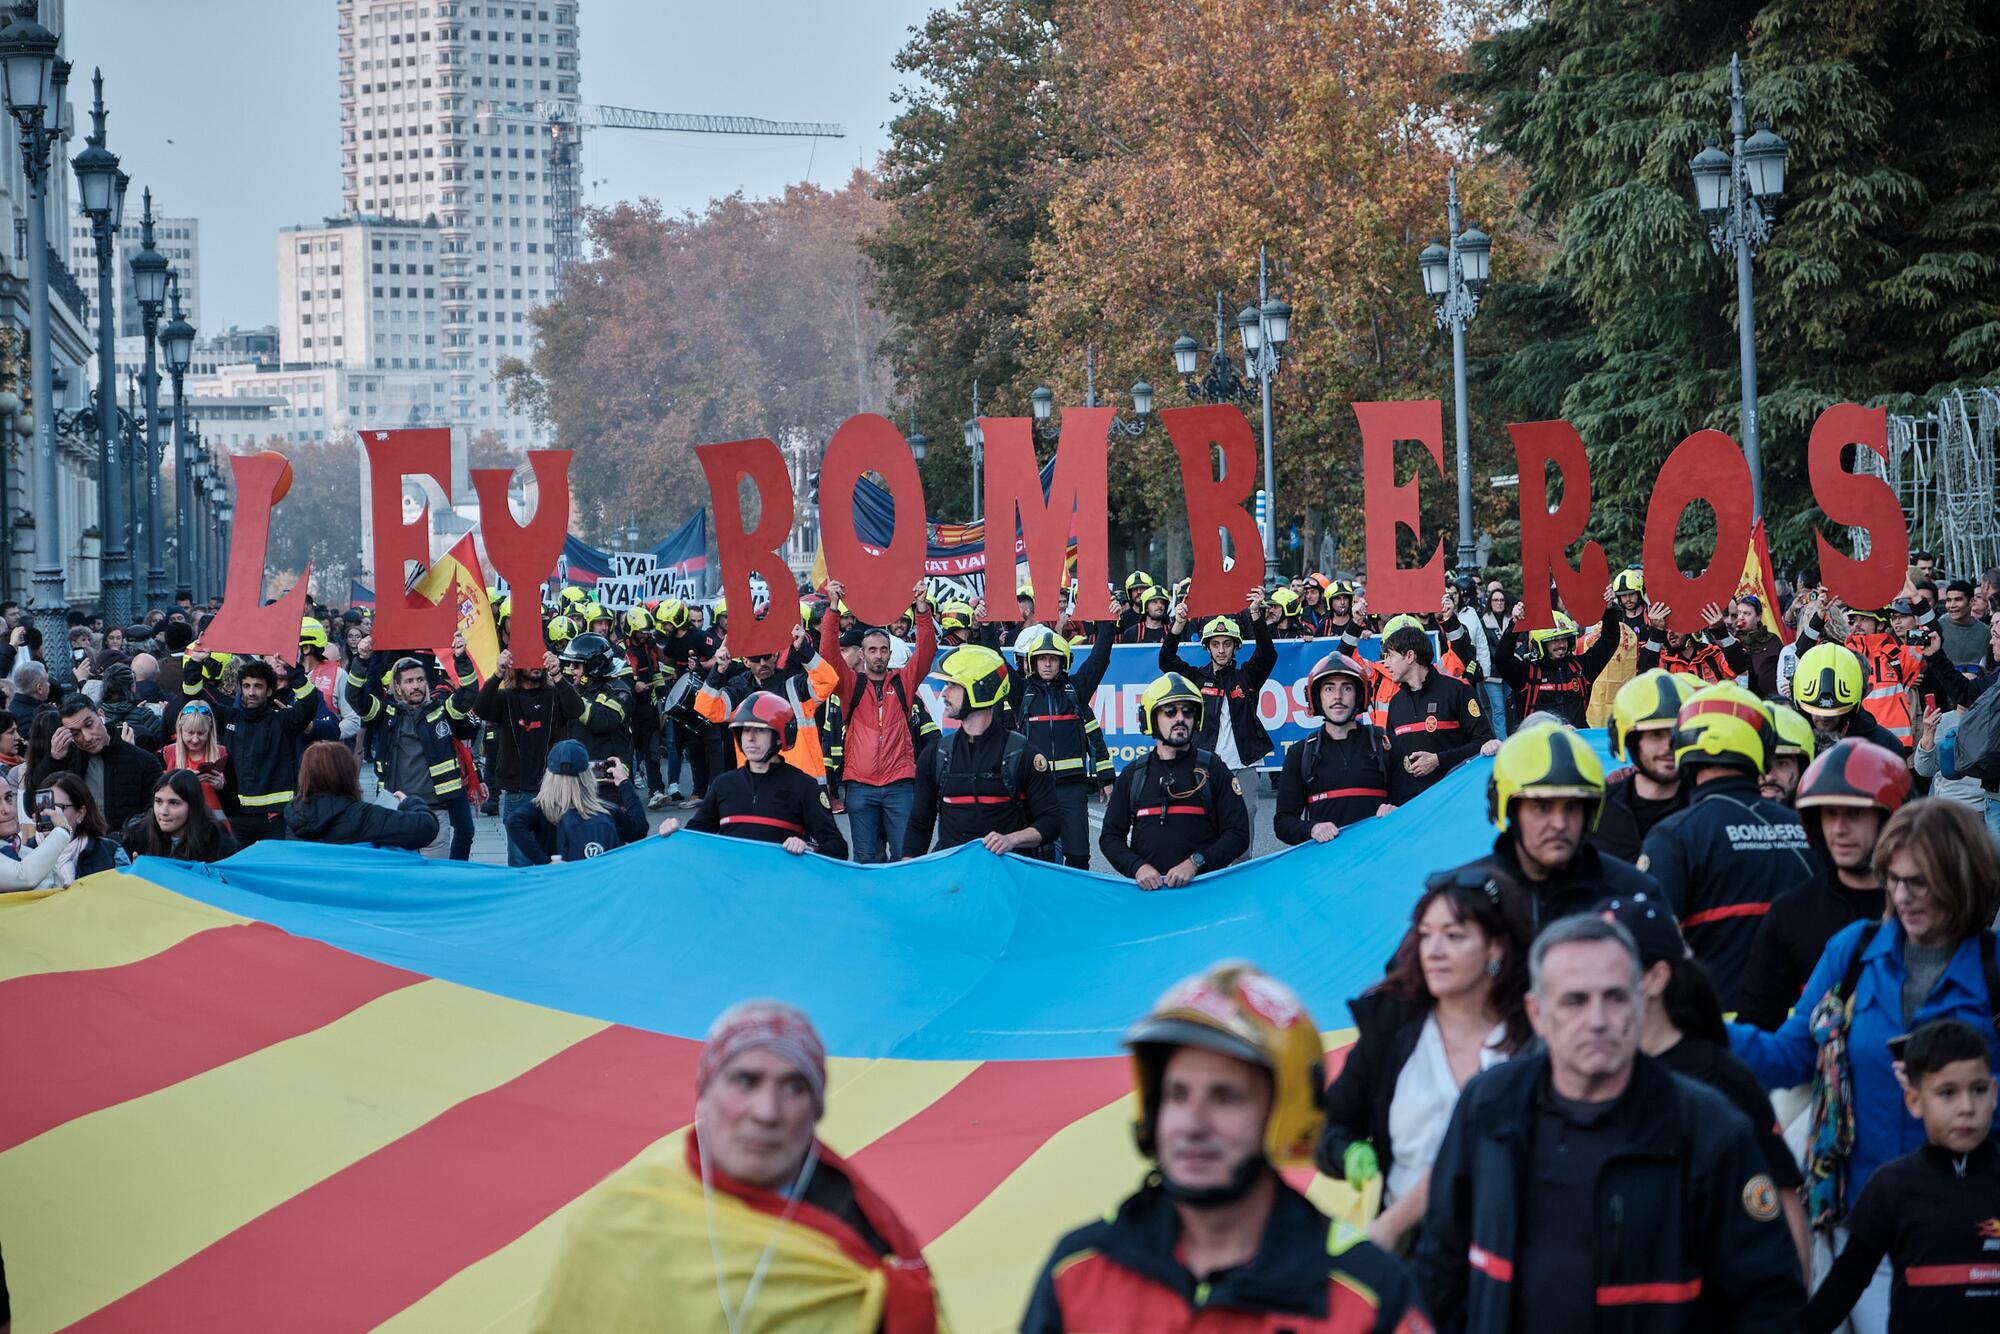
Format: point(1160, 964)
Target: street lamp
point(32, 80)
point(149, 289)
point(1041, 401)
point(102, 187)
point(975, 444)
point(919, 443)
point(1454, 280)
point(1735, 193)
point(177, 342)
point(1264, 329)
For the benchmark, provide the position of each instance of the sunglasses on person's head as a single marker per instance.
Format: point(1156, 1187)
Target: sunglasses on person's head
point(196, 708)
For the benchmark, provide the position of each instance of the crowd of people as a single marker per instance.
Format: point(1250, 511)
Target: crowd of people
point(1707, 1040)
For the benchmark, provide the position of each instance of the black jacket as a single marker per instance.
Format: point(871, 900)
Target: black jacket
point(1690, 1236)
point(1357, 1105)
point(1790, 939)
point(1560, 685)
point(1162, 812)
point(1233, 690)
point(263, 743)
point(1443, 717)
point(1122, 1275)
point(963, 794)
point(1627, 817)
point(1348, 780)
point(129, 774)
point(1719, 863)
point(1058, 721)
point(770, 807)
point(1575, 887)
point(333, 819)
point(540, 841)
point(504, 715)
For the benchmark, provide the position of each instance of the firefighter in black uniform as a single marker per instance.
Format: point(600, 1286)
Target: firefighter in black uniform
point(1147, 622)
point(1178, 807)
point(603, 727)
point(649, 687)
point(1055, 714)
point(1339, 774)
point(981, 783)
point(1435, 721)
point(1553, 677)
point(1721, 861)
point(764, 799)
point(1642, 727)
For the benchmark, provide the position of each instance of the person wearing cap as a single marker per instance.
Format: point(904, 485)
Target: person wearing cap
point(1339, 775)
point(1229, 724)
point(765, 798)
point(1545, 799)
point(1846, 797)
point(1227, 1067)
point(1642, 732)
point(750, 1222)
point(1433, 721)
point(1584, 1186)
point(1176, 811)
point(1720, 862)
point(1683, 1031)
point(570, 817)
point(1053, 711)
point(982, 782)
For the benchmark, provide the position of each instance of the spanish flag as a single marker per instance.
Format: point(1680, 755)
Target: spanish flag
point(1758, 582)
point(457, 575)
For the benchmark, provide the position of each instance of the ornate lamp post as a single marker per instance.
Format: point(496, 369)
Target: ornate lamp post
point(1042, 403)
point(975, 444)
point(149, 288)
point(177, 339)
point(102, 187)
point(32, 80)
point(1454, 281)
point(1736, 192)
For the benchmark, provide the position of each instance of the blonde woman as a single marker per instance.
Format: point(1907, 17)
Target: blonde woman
point(568, 817)
point(194, 747)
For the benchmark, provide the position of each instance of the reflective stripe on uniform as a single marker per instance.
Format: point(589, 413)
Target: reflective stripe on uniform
point(267, 799)
point(772, 821)
point(1493, 1266)
point(1051, 717)
point(1443, 725)
point(1171, 810)
point(1708, 915)
point(1648, 1294)
point(1335, 793)
point(976, 801)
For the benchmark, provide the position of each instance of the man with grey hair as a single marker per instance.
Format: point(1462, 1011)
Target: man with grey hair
point(31, 690)
point(1585, 1186)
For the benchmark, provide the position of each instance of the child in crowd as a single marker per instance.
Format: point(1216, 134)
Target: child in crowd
point(1934, 1213)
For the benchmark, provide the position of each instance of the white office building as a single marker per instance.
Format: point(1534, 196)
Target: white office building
point(179, 239)
point(419, 146)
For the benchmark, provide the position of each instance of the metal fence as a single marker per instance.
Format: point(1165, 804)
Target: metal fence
point(1942, 467)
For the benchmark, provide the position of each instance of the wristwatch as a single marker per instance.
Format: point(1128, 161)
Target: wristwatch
point(1198, 860)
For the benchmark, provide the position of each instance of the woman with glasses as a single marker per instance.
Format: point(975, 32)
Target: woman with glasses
point(1930, 957)
point(90, 849)
point(195, 748)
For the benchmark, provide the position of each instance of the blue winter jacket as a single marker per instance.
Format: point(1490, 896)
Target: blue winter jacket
point(1883, 1129)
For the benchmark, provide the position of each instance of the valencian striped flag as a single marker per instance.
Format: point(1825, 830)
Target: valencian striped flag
point(317, 1089)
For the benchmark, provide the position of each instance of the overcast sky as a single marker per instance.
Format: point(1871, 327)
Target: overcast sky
point(230, 109)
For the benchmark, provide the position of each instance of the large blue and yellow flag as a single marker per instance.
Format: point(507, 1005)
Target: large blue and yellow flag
point(333, 1089)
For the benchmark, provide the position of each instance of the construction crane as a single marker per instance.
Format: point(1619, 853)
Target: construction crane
point(565, 123)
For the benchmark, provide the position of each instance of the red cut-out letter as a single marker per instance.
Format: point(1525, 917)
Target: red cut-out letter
point(523, 554)
point(875, 585)
point(1215, 504)
point(245, 624)
point(1705, 466)
point(743, 551)
point(1546, 534)
point(1389, 504)
point(1075, 506)
point(1857, 500)
point(403, 619)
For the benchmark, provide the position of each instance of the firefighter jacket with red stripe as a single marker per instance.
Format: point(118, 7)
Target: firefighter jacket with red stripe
point(770, 807)
point(972, 786)
point(1577, 886)
point(1164, 811)
point(1442, 716)
point(1560, 685)
point(1124, 1275)
point(1230, 693)
point(1689, 1232)
point(1139, 630)
point(1723, 659)
point(1719, 863)
point(1057, 718)
point(1331, 780)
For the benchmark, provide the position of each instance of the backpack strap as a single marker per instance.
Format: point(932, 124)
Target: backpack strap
point(941, 758)
point(1852, 977)
point(1010, 764)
